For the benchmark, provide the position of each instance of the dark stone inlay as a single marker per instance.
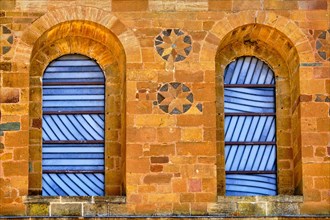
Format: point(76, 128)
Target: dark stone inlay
point(175, 111)
point(5, 49)
point(318, 45)
point(160, 50)
point(164, 108)
point(327, 99)
point(187, 39)
point(6, 30)
point(167, 32)
point(311, 64)
point(199, 107)
point(323, 55)
point(190, 97)
point(323, 35)
point(158, 42)
point(178, 32)
point(164, 88)
point(155, 103)
point(186, 107)
point(10, 39)
point(159, 38)
point(1, 145)
point(187, 50)
point(185, 88)
point(179, 58)
point(166, 57)
point(160, 98)
point(318, 99)
point(175, 84)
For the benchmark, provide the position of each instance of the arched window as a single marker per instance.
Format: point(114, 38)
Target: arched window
point(73, 127)
point(250, 132)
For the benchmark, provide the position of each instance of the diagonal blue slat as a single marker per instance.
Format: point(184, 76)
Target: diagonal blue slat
point(95, 188)
point(62, 184)
point(86, 189)
point(95, 129)
point(74, 186)
point(47, 189)
point(229, 72)
point(237, 71)
point(250, 71)
point(250, 157)
point(249, 128)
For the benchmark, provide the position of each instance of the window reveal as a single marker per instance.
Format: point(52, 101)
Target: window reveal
point(250, 133)
point(73, 128)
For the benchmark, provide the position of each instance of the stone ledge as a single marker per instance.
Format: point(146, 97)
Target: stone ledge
point(256, 205)
point(73, 205)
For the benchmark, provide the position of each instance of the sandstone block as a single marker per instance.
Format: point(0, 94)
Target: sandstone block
point(68, 209)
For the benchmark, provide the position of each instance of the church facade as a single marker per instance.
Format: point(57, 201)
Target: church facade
point(165, 108)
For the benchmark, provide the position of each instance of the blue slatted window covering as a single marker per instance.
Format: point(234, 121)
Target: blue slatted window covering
point(73, 128)
point(250, 133)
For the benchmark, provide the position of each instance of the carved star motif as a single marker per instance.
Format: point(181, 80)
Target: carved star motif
point(175, 98)
point(173, 45)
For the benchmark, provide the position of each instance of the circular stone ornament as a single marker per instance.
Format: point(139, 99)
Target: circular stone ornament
point(173, 44)
point(174, 98)
point(323, 45)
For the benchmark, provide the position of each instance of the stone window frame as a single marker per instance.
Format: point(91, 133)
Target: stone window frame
point(100, 44)
point(245, 41)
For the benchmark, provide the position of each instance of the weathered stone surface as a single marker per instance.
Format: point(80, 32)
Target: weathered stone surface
point(95, 209)
point(251, 209)
point(40, 209)
point(66, 209)
point(283, 208)
point(221, 208)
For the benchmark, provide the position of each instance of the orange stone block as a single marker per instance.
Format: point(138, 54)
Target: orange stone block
point(138, 165)
point(16, 138)
point(15, 168)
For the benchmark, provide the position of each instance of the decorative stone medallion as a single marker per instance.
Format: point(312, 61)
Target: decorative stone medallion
point(323, 45)
point(174, 98)
point(7, 39)
point(173, 44)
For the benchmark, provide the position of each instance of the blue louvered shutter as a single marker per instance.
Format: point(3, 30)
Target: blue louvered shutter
point(250, 133)
point(73, 128)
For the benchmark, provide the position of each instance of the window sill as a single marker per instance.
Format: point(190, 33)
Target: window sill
point(280, 205)
point(74, 205)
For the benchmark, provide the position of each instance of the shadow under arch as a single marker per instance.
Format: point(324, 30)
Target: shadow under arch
point(99, 43)
point(273, 47)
